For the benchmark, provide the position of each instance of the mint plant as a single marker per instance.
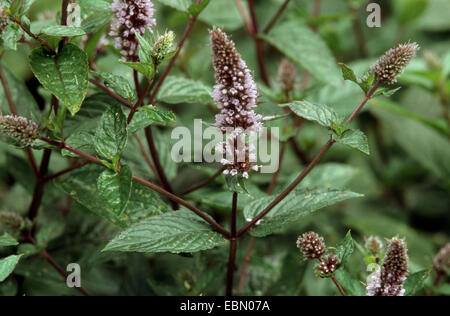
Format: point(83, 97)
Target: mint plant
point(100, 144)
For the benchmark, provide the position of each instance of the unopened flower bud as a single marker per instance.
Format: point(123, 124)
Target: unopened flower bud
point(163, 46)
point(373, 245)
point(393, 271)
point(287, 75)
point(311, 245)
point(442, 260)
point(327, 267)
point(22, 131)
point(391, 65)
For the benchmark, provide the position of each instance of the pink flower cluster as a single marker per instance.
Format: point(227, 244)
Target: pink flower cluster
point(236, 95)
point(132, 17)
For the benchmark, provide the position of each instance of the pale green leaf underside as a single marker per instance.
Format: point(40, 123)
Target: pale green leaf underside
point(182, 90)
point(319, 113)
point(7, 240)
point(298, 42)
point(173, 232)
point(66, 76)
point(297, 204)
point(62, 31)
point(7, 266)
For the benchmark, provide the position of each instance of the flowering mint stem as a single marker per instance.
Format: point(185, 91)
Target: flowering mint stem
point(308, 169)
point(144, 182)
point(233, 247)
point(163, 77)
point(275, 18)
point(259, 45)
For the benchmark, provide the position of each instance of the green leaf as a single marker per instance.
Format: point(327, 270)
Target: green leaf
point(116, 188)
point(319, 113)
point(148, 115)
point(65, 75)
point(7, 266)
point(415, 282)
point(386, 92)
point(345, 249)
point(48, 233)
point(352, 286)
point(348, 73)
point(63, 31)
point(148, 70)
point(7, 240)
point(182, 90)
point(83, 141)
point(118, 84)
point(305, 47)
point(297, 204)
point(81, 185)
point(173, 232)
point(111, 134)
point(354, 139)
point(220, 12)
point(236, 184)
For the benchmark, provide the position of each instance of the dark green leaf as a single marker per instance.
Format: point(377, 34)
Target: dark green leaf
point(66, 76)
point(111, 134)
point(118, 84)
point(236, 184)
point(348, 73)
point(116, 188)
point(297, 204)
point(147, 69)
point(352, 286)
point(345, 249)
point(415, 282)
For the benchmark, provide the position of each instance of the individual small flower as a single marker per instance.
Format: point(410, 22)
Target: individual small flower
point(163, 46)
point(389, 66)
point(373, 245)
point(287, 75)
point(131, 17)
point(442, 260)
point(327, 267)
point(393, 270)
point(20, 129)
point(236, 95)
point(311, 245)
